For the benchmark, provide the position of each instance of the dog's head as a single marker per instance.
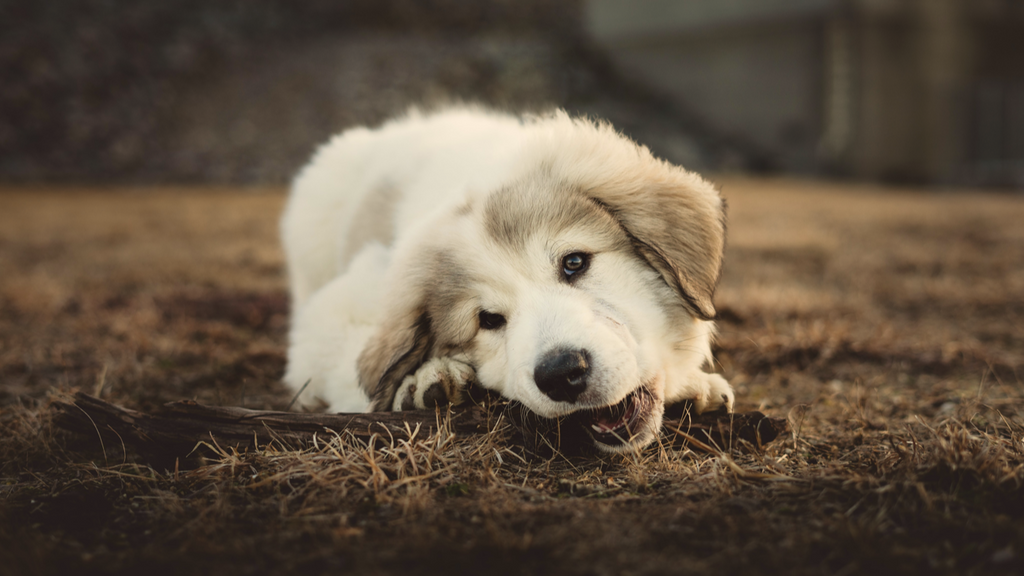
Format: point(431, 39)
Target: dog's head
point(573, 290)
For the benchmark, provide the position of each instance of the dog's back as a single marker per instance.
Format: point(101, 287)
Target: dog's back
point(365, 184)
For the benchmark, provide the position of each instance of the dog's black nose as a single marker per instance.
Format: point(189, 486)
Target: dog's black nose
point(562, 374)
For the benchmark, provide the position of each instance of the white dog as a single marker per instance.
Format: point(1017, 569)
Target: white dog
point(549, 259)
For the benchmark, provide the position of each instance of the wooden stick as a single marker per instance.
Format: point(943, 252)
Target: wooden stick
point(179, 426)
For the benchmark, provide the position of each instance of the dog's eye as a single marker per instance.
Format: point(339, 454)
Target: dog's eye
point(575, 263)
point(491, 321)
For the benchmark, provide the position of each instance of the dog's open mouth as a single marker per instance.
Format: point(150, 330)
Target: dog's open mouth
point(619, 424)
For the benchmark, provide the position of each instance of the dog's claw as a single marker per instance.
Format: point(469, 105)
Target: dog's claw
point(435, 396)
point(408, 401)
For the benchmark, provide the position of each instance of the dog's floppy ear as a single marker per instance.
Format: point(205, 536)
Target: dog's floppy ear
point(398, 348)
point(678, 226)
point(429, 310)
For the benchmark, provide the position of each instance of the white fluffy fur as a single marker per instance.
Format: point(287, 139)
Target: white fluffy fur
point(412, 176)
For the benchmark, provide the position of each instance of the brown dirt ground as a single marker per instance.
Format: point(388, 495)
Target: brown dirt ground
point(885, 324)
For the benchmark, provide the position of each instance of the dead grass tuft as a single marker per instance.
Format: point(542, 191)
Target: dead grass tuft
point(960, 455)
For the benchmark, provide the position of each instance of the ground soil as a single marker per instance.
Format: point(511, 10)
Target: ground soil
point(885, 324)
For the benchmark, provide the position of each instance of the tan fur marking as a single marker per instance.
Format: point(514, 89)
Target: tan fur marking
point(542, 205)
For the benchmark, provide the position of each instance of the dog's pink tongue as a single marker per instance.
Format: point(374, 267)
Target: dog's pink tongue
point(602, 425)
point(616, 417)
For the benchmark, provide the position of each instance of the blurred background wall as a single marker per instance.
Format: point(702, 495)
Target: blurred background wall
point(899, 90)
point(241, 91)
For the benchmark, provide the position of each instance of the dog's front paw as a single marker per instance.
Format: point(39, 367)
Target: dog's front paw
point(717, 393)
point(439, 381)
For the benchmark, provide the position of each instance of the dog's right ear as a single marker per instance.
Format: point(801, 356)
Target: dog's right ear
point(398, 348)
point(676, 222)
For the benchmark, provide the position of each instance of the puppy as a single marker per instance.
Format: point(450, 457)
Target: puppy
point(549, 259)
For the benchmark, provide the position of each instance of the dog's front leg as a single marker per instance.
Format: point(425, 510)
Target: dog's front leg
point(437, 382)
point(706, 391)
point(714, 393)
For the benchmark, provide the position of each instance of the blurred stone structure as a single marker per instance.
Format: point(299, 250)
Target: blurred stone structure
point(242, 91)
point(898, 90)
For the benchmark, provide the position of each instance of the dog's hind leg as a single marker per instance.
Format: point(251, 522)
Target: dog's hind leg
point(330, 330)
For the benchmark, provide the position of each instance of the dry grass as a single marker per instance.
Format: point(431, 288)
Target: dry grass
point(885, 324)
